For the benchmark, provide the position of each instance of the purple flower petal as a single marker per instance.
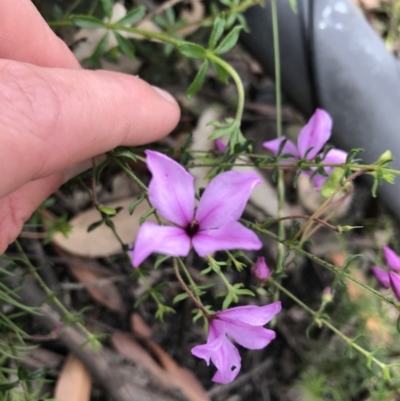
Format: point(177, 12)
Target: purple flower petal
point(163, 239)
point(171, 189)
point(319, 180)
point(219, 145)
point(315, 134)
point(289, 147)
point(251, 337)
point(392, 259)
point(382, 276)
point(395, 284)
point(225, 198)
point(260, 269)
point(335, 156)
point(223, 354)
point(230, 236)
point(252, 314)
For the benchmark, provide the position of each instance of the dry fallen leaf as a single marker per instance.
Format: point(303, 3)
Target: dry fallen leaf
point(163, 366)
point(101, 242)
point(105, 294)
point(74, 382)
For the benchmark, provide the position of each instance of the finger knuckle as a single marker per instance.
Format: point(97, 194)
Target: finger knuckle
point(28, 100)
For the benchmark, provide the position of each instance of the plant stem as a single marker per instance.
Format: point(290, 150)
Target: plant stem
point(281, 182)
point(319, 320)
point(51, 295)
point(187, 290)
point(334, 269)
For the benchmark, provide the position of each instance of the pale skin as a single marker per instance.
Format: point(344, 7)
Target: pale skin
point(55, 116)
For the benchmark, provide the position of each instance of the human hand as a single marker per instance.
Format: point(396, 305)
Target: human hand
point(56, 116)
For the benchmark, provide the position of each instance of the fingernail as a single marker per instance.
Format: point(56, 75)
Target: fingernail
point(166, 95)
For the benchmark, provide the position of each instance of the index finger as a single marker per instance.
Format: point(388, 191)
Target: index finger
point(25, 36)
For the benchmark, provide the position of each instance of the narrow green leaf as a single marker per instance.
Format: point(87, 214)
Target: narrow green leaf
point(109, 211)
point(135, 203)
point(293, 5)
point(95, 225)
point(222, 74)
point(146, 215)
point(198, 81)
point(100, 48)
point(85, 21)
point(222, 132)
point(125, 153)
point(132, 16)
point(160, 259)
point(192, 50)
point(179, 298)
point(125, 45)
point(218, 30)
point(229, 41)
point(107, 7)
point(8, 386)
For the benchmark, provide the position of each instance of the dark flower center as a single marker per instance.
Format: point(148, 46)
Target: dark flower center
point(192, 228)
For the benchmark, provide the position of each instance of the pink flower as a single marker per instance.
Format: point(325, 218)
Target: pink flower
point(327, 295)
point(395, 284)
point(244, 324)
point(210, 227)
point(219, 145)
point(311, 140)
point(392, 259)
point(261, 270)
point(382, 276)
point(389, 279)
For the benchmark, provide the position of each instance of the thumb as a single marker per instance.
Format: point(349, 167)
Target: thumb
point(52, 118)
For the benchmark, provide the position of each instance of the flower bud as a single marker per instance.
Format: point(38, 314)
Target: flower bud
point(219, 145)
point(261, 270)
point(327, 295)
point(395, 284)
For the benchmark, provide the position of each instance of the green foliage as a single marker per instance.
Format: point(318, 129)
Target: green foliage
point(133, 16)
point(199, 80)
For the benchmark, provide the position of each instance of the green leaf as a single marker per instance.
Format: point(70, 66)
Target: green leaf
point(218, 30)
point(107, 7)
point(222, 74)
point(293, 5)
point(244, 291)
point(192, 50)
point(8, 386)
point(134, 204)
point(198, 81)
point(85, 21)
point(125, 153)
point(229, 41)
point(101, 47)
point(132, 16)
point(350, 259)
point(222, 132)
point(109, 211)
point(125, 45)
point(146, 215)
point(180, 298)
point(160, 259)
